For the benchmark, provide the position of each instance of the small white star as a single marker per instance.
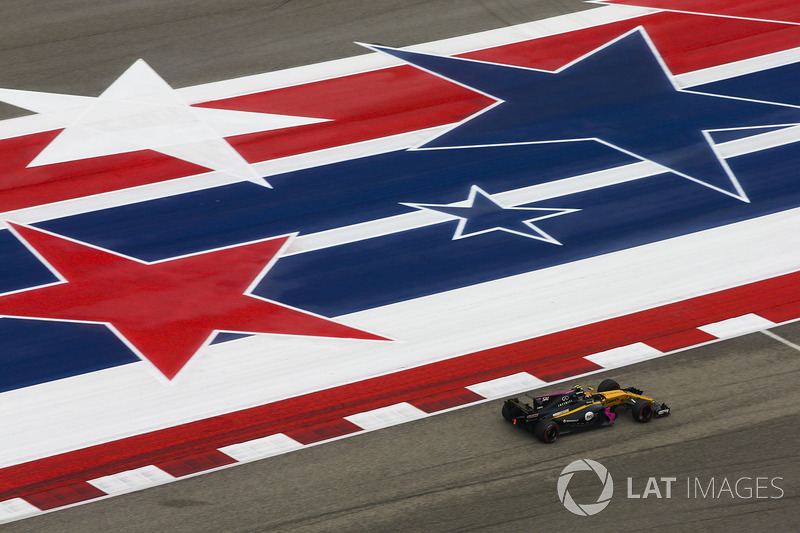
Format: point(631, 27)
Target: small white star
point(140, 111)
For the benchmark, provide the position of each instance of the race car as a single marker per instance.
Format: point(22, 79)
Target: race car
point(548, 416)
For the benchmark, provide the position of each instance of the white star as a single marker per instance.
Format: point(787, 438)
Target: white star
point(140, 111)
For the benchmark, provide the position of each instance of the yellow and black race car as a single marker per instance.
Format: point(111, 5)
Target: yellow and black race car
point(548, 416)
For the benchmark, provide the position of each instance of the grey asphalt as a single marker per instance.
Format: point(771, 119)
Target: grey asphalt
point(81, 46)
point(735, 402)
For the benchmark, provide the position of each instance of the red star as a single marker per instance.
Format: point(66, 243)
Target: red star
point(167, 310)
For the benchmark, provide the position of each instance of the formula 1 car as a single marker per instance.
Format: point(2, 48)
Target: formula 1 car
point(548, 416)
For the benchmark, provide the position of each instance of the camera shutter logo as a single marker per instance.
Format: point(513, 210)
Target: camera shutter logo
point(587, 509)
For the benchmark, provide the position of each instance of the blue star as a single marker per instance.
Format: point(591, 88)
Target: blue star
point(621, 95)
point(483, 214)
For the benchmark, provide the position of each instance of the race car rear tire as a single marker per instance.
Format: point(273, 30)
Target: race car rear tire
point(643, 411)
point(607, 385)
point(511, 411)
point(547, 431)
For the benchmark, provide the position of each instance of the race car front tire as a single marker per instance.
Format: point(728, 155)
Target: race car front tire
point(547, 431)
point(643, 411)
point(607, 385)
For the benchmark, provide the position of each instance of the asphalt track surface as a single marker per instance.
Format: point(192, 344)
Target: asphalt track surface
point(734, 402)
point(81, 46)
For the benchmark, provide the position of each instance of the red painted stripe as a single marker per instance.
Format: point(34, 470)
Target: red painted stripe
point(196, 463)
point(564, 369)
point(681, 339)
point(782, 313)
point(324, 431)
point(683, 40)
point(61, 496)
point(446, 400)
point(361, 107)
point(378, 104)
point(295, 416)
point(779, 10)
point(24, 187)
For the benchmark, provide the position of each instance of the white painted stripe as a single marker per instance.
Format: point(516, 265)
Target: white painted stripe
point(131, 480)
point(390, 415)
point(778, 338)
point(15, 509)
point(513, 384)
point(740, 325)
point(624, 355)
point(738, 68)
point(260, 448)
